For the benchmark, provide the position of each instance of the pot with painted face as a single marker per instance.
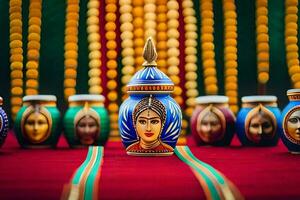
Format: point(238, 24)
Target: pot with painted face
point(212, 122)
point(86, 121)
point(37, 123)
point(257, 121)
point(150, 119)
point(290, 122)
point(3, 124)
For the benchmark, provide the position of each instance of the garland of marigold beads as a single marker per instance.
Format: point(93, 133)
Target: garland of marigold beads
point(16, 59)
point(173, 51)
point(150, 19)
point(126, 44)
point(71, 47)
point(161, 37)
point(94, 47)
point(111, 55)
point(207, 46)
point(190, 55)
point(291, 32)
point(230, 53)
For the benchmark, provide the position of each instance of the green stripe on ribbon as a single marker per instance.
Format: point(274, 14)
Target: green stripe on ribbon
point(211, 176)
point(84, 182)
point(209, 182)
point(77, 175)
point(90, 183)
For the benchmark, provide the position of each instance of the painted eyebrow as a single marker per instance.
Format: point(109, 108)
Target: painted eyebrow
point(149, 118)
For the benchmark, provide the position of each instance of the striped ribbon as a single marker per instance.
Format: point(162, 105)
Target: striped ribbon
point(84, 184)
point(215, 185)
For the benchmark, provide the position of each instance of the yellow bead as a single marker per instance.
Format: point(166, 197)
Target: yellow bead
point(16, 83)
point(211, 89)
point(112, 84)
point(112, 64)
point(111, 44)
point(16, 74)
point(70, 63)
point(191, 76)
point(94, 81)
point(210, 80)
point(173, 61)
point(263, 77)
point(95, 63)
point(231, 72)
point(33, 54)
point(111, 74)
point(95, 89)
point(112, 96)
point(111, 54)
point(96, 54)
point(113, 107)
point(68, 82)
point(231, 64)
point(16, 100)
point(231, 79)
point(94, 72)
point(110, 35)
point(209, 72)
point(32, 64)
point(173, 5)
point(192, 93)
point(175, 79)
point(16, 65)
point(32, 73)
point(70, 73)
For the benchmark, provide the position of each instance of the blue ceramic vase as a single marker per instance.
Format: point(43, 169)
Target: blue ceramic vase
point(150, 119)
point(290, 122)
point(3, 124)
point(257, 121)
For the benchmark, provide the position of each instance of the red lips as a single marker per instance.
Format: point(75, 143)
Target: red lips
point(149, 134)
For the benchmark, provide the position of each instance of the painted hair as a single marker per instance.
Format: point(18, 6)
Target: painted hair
point(152, 104)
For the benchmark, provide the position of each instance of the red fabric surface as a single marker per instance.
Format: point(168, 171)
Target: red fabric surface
point(259, 173)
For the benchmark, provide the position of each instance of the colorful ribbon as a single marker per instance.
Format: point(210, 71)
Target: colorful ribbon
point(84, 184)
point(215, 185)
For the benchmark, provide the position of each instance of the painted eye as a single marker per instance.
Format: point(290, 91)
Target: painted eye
point(293, 120)
point(255, 125)
point(142, 121)
point(154, 121)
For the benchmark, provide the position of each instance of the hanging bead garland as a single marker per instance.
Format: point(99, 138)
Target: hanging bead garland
point(173, 45)
point(230, 53)
point(94, 47)
point(33, 47)
point(16, 58)
point(71, 47)
point(150, 19)
point(262, 40)
point(191, 55)
point(207, 46)
point(138, 32)
point(126, 44)
point(111, 55)
point(291, 40)
point(161, 37)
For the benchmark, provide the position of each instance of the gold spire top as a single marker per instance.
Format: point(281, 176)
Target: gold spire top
point(149, 54)
point(1, 101)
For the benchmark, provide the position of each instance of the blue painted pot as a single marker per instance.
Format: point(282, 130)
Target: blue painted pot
point(150, 119)
point(290, 122)
point(3, 124)
point(257, 121)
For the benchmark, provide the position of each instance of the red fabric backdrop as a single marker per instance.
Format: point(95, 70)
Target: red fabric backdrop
point(259, 173)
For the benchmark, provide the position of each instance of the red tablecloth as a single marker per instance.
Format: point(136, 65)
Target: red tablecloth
point(259, 173)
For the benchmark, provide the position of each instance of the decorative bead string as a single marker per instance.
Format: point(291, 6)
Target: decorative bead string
point(126, 44)
point(190, 55)
point(161, 37)
point(16, 58)
point(71, 47)
point(207, 46)
point(138, 32)
point(33, 47)
point(173, 48)
point(111, 54)
point(291, 32)
point(150, 19)
point(262, 40)
point(94, 47)
point(230, 53)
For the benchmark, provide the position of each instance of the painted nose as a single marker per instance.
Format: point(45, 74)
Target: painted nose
point(148, 126)
point(260, 130)
point(35, 127)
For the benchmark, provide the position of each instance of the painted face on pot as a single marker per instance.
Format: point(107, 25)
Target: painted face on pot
point(36, 127)
point(210, 127)
point(293, 125)
point(260, 127)
point(87, 130)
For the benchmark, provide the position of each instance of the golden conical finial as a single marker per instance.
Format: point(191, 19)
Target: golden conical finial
point(149, 54)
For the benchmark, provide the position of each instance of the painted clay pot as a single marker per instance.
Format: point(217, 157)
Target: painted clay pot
point(37, 123)
point(212, 122)
point(150, 119)
point(86, 121)
point(290, 122)
point(257, 121)
point(3, 124)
